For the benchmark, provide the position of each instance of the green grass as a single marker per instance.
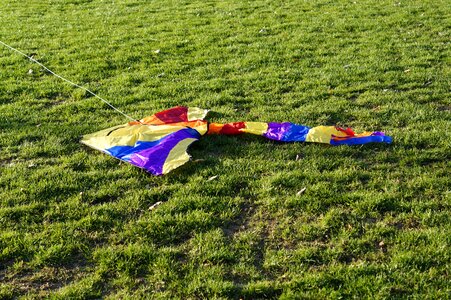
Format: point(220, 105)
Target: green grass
point(373, 222)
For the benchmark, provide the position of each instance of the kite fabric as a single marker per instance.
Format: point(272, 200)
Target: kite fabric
point(159, 143)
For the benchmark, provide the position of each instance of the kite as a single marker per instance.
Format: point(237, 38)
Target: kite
point(159, 143)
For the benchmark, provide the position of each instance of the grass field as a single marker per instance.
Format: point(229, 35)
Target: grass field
point(374, 221)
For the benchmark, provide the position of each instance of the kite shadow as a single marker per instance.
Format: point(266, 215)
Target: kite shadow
point(211, 150)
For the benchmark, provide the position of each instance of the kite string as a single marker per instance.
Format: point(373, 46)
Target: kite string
point(68, 81)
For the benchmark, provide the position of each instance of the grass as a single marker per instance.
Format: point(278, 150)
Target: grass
point(373, 222)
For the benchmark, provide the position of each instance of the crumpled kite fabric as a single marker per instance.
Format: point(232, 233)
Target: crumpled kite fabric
point(159, 143)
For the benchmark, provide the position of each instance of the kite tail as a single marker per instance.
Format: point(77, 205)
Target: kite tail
point(291, 132)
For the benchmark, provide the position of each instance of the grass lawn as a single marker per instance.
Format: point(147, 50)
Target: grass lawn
point(374, 221)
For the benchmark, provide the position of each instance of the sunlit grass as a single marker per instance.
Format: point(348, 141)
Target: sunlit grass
point(373, 220)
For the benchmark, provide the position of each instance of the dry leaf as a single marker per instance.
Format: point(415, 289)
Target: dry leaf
point(212, 178)
point(301, 192)
point(153, 206)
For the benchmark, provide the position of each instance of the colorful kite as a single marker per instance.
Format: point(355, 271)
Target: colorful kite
point(159, 143)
